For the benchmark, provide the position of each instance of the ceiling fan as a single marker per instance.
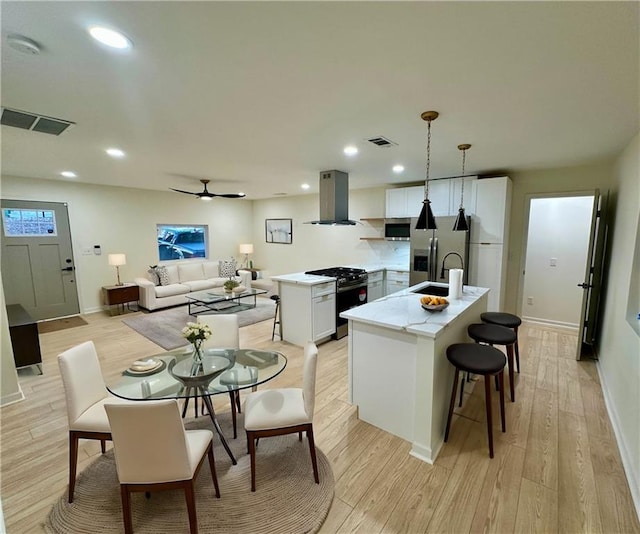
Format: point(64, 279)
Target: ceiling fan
point(205, 195)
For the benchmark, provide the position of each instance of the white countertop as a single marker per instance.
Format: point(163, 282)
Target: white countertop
point(303, 279)
point(372, 268)
point(402, 311)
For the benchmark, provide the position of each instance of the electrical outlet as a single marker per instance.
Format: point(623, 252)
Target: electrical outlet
point(529, 300)
point(553, 262)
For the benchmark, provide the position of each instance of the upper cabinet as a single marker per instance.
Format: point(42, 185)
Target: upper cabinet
point(491, 209)
point(404, 201)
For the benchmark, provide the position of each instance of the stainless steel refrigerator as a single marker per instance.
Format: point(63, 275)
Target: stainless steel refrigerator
point(434, 252)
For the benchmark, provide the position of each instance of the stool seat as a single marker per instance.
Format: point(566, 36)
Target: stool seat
point(476, 359)
point(502, 319)
point(491, 333)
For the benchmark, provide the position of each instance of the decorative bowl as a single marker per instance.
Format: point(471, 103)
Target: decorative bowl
point(239, 289)
point(435, 307)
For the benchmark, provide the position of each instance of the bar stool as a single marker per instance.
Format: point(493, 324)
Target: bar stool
point(276, 318)
point(508, 320)
point(493, 334)
point(480, 360)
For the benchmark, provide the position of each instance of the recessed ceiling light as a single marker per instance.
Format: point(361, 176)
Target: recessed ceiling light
point(350, 150)
point(109, 37)
point(305, 186)
point(69, 174)
point(115, 152)
point(398, 169)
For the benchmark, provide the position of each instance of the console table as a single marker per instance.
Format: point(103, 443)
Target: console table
point(23, 331)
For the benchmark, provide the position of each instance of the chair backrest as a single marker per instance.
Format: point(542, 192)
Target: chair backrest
point(309, 378)
point(225, 331)
point(149, 441)
point(82, 379)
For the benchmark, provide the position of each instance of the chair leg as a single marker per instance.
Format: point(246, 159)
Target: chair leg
point(232, 398)
point(461, 388)
point(312, 450)
point(512, 385)
point(517, 350)
point(238, 404)
point(487, 400)
point(184, 407)
point(452, 404)
point(73, 462)
point(126, 509)
point(212, 466)
point(252, 453)
point(501, 381)
point(191, 506)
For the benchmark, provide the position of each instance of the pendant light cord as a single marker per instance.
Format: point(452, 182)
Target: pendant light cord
point(464, 155)
point(426, 182)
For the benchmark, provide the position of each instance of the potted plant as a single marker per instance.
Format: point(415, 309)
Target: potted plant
point(230, 285)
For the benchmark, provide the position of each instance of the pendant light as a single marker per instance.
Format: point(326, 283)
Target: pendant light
point(461, 224)
point(426, 220)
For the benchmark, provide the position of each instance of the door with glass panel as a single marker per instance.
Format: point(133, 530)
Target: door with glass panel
point(38, 271)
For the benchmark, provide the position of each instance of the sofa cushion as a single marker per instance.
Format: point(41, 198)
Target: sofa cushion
point(171, 290)
point(172, 271)
point(153, 275)
point(199, 285)
point(189, 272)
point(211, 269)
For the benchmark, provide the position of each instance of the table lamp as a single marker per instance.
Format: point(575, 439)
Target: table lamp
point(117, 260)
point(246, 249)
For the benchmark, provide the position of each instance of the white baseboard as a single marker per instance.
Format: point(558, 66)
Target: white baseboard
point(548, 322)
point(12, 398)
point(634, 482)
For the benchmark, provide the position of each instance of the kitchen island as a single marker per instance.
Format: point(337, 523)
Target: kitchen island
point(399, 375)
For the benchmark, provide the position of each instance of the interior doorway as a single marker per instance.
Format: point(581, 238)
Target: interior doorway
point(37, 259)
point(562, 263)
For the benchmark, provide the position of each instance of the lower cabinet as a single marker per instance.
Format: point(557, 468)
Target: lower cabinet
point(307, 312)
point(375, 286)
point(396, 281)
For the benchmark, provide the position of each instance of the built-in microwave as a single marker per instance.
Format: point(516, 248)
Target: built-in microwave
point(397, 230)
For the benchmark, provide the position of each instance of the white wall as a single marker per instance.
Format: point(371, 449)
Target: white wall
point(619, 347)
point(124, 220)
point(559, 229)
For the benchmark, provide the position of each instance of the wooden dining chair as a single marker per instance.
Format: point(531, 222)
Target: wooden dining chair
point(225, 334)
point(154, 452)
point(275, 412)
point(86, 395)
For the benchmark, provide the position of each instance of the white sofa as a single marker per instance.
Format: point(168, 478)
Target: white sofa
point(183, 279)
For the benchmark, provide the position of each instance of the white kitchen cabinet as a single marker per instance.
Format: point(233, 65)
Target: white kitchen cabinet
point(307, 311)
point(491, 211)
point(404, 201)
point(440, 197)
point(396, 281)
point(487, 266)
point(375, 286)
point(469, 195)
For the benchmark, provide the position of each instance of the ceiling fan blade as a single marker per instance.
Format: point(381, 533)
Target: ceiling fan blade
point(181, 191)
point(229, 195)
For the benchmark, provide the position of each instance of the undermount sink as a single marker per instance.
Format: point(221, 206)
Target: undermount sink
point(438, 291)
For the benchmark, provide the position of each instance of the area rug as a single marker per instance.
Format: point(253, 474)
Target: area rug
point(286, 498)
point(54, 325)
point(163, 327)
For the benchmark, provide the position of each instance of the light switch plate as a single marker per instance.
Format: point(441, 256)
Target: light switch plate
point(553, 262)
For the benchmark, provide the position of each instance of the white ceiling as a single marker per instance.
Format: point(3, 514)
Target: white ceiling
point(261, 96)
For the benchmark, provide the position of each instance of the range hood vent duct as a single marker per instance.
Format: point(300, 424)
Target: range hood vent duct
point(334, 199)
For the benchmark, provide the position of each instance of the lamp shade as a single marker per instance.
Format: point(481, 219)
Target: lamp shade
point(117, 259)
point(426, 220)
point(246, 248)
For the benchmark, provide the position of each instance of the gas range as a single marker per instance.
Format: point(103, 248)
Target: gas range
point(346, 277)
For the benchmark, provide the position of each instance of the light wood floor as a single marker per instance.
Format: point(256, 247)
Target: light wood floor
point(557, 469)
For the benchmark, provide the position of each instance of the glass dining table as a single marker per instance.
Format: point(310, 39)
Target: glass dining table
point(175, 375)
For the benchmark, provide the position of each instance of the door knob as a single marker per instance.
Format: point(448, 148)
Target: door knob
point(68, 269)
point(584, 286)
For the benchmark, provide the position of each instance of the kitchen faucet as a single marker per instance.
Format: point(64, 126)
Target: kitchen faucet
point(445, 259)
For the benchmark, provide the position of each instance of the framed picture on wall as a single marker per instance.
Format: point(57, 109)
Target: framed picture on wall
point(182, 242)
point(278, 231)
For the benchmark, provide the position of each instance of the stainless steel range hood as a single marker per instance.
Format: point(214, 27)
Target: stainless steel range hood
point(334, 199)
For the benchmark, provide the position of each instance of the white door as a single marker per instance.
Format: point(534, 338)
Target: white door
point(37, 259)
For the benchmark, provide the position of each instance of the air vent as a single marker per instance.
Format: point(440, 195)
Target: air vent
point(382, 141)
point(34, 122)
